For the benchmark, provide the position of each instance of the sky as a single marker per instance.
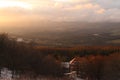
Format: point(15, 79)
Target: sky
point(59, 10)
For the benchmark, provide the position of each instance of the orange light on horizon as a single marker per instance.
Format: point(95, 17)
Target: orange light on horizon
point(7, 4)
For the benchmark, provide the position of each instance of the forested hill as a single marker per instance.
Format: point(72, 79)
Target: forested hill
point(26, 58)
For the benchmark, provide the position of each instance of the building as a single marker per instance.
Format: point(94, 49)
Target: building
point(78, 64)
point(66, 67)
point(74, 67)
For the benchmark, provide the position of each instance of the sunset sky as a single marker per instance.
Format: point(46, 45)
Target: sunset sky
point(60, 10)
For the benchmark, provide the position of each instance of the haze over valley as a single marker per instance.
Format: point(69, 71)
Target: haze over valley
point(66, 33)
point(62, 22)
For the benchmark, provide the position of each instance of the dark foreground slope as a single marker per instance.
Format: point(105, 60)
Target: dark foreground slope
point(96, 62)
point(22, 58)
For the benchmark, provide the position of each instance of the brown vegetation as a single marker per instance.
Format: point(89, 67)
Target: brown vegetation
point(100, 62)
point(21, 57)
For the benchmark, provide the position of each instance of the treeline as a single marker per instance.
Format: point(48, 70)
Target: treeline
point(66, 54)
point(26, 58)
point(23, 58)
point(99, 67)
point(94, 63)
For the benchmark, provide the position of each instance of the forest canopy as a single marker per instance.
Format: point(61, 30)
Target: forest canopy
point(102, 62)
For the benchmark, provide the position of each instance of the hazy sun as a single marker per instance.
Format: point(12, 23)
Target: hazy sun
point(62, 0)
point(4, 4)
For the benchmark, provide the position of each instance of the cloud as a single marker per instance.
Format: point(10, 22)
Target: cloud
point(100, 11)
point(107, 3)
point(70, 10)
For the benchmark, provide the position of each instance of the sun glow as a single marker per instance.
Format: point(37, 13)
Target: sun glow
point(62, 0)
point(5, 4)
